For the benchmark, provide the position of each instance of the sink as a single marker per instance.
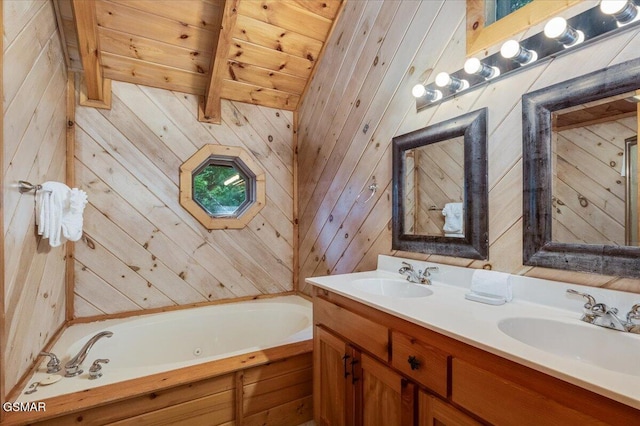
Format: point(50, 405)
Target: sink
point(391, 287)
point(609, 349)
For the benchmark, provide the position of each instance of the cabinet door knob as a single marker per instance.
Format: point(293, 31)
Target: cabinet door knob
point(413, 362)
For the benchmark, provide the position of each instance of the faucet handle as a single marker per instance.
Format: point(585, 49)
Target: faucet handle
point(634, 313)
point(429, 269)
point(95, 369)
point(407, 265)
point(591, 301)
point(53, 366)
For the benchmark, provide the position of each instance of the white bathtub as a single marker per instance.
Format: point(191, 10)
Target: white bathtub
point(155, 343)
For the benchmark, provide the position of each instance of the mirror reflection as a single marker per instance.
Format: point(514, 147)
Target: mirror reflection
point(440, 193)
point(594, 161)
point(434, 189)
point(580, 173)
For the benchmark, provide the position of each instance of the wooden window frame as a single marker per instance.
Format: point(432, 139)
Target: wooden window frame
point(481, 38)
point(225, 153)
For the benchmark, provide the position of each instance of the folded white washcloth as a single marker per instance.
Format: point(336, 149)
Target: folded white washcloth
point(491, 284)
point(59, 212)
point(72, 219)
point(453, 220)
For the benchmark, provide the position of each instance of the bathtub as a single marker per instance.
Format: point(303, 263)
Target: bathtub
point(146, 345)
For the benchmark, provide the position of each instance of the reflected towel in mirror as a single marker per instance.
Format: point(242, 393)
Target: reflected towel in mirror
point(453, 220)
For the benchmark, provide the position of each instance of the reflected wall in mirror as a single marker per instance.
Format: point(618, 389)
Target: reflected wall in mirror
point(440, 194)
point(592, 191)
point(631, 176)
point(581, 171)
point(434, 188)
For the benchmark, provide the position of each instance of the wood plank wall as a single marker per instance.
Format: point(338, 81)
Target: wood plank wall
point(589, 191)
point(361, 97)
point(143, 250)
point(34, 150)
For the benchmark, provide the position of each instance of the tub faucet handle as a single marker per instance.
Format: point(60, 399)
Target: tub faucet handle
point(53, 366)
point(95, 371)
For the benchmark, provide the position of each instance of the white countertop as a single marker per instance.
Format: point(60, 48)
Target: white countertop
point(446, 311)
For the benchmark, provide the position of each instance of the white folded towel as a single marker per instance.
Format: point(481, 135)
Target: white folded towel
point(72, 219)
point(453, 220)
point(59, 212)
point(491, 284)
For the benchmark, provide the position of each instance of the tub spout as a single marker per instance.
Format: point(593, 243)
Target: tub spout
point(73, 366)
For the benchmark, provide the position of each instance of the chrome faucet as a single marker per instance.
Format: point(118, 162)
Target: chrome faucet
point(53, 366)
point(413, 276)
point(72, 367)
point(601, 315)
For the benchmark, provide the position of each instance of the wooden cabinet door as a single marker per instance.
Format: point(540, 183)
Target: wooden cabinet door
point(333, 391)
point(434, 412)
point(387, 397)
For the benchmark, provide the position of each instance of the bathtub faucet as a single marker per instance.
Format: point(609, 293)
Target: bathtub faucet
point(73, 366)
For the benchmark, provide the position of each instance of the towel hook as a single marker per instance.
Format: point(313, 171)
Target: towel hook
point(24, 186)
point(373, 188)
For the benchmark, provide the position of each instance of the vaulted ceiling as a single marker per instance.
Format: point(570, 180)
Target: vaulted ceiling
point(256, 51)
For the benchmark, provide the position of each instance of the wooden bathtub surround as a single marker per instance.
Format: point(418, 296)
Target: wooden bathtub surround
point(276, 390)
point(424, 375)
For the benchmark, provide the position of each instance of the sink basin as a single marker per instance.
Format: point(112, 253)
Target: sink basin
point(608, 349)
point(391, 287)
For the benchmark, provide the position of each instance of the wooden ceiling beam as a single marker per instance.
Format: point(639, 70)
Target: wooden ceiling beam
point(210, 110)
point(96, 90)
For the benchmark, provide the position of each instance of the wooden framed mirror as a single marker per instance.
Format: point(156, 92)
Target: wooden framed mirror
point(577, 158)
point(440, 194)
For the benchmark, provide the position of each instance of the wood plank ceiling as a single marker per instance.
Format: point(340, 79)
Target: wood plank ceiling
point(262, 52)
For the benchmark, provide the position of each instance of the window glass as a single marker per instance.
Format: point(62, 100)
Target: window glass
point(498, 9)
point(220, 189)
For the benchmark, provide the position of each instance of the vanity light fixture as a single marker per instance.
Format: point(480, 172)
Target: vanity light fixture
point(600, 20)
point(513, 50)
point(444, 80)
point(623, 11)
point(558, 29)
point(475, 66)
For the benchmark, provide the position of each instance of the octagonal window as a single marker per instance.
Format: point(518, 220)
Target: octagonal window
point(222, 187)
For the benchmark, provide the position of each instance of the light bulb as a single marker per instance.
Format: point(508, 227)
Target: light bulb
point(512, 50)
point(443, 79)
point(623, 11)
point(474, 66)
point(418, 91)
point(558, 29)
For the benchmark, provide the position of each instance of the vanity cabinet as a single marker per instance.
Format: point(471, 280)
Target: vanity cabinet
point(434, 412)
point(373, 368)
point(355, 388)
